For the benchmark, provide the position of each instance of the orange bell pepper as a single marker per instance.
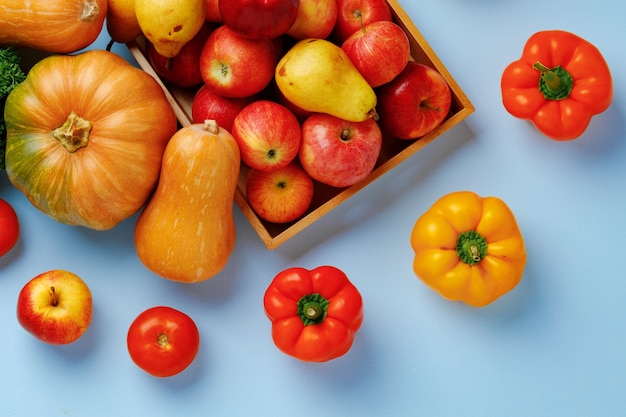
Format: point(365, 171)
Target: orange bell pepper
point(559, 83)
point(315, 314)
point(468, 248)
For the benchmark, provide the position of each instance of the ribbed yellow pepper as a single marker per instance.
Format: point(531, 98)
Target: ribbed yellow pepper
point(468, 248)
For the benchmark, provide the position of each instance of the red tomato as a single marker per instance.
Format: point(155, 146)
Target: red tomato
point(9, 227)
point(163, 341)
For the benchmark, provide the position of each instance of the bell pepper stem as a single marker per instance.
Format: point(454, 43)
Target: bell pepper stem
point(554, 83)
point(471, 247)
point(312, 309)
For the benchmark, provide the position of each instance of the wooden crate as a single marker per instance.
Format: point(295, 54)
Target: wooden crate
point(327, 198)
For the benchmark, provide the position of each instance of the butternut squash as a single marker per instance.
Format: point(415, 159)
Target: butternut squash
point(51, 26)
point(186, 232)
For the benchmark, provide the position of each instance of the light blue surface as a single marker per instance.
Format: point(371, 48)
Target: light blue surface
point(552, 347)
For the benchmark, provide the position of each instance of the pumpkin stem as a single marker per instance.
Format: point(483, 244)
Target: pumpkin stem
point(74, 133)
point(91, 10)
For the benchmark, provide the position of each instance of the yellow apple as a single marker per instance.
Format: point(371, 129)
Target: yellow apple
point(315, 19)
point(55, 307)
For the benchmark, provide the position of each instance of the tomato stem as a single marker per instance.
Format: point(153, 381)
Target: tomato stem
point(554, 83)
point(471, 247)
point(163, 340)
point(312, 309)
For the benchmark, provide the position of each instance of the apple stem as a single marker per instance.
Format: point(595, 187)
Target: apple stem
point(346, 135)
point(427, 105)
point(357, 13)
point(53, 297)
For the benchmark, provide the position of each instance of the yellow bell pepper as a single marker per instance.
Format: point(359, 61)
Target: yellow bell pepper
point(468, 248)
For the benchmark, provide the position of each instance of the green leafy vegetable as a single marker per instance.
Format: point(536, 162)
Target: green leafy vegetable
point(11, 74)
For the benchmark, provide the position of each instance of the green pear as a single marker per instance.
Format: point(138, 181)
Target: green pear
point(316, 75)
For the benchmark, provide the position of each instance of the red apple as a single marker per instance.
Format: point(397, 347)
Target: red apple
point(259, 19)
point(183, 69)
point(414, 103)
point(208, 105)
point(352, 15)
point(233, 66)
point(315, 19)
point(280, 196)
point(55, 307)
point(268, 135)
point(212, 11)
point(379, 51)
point(337, 152)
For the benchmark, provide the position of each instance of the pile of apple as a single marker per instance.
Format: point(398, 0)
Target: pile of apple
point(291, 140)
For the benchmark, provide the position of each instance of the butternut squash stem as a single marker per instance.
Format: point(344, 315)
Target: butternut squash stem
point(211, 126)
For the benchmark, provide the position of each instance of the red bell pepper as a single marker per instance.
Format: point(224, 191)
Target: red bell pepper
point(315, 314)
point(559, 83)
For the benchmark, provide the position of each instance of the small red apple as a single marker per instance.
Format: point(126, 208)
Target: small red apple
point(208, 105)
point(212, 11)
point(268, 135)
point(379, 51)
point(259, 19)
point(414, 103)
point(55, 307)
point(315, 19)
point(233, 66)
point(337, 152)
point(280, 196)
point(183, 69)
point(354, 14)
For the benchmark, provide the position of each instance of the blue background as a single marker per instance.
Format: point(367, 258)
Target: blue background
point(554, 346)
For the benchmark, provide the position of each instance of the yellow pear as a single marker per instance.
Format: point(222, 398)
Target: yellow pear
point(121, 21)
point(316, 75)
point(170, 24)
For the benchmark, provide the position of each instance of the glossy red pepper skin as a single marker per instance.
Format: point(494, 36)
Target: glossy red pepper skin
point(528, 92)
point(315, 314)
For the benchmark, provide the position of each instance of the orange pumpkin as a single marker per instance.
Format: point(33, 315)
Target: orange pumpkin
point(51, 26)
point(85, 137)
